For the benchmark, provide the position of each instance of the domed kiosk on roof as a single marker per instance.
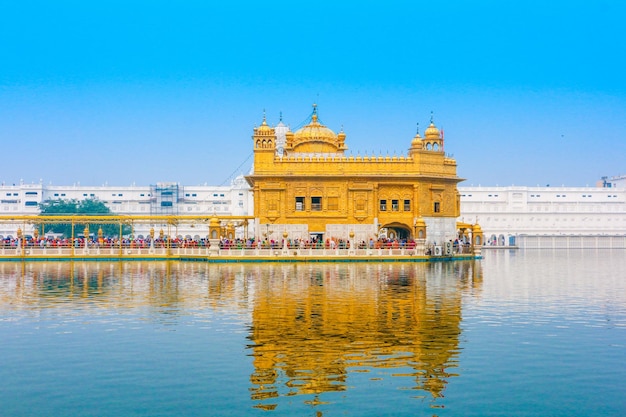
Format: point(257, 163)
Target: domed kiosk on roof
point(433, 139)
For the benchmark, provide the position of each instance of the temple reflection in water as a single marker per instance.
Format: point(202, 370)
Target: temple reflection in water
point(312, 327)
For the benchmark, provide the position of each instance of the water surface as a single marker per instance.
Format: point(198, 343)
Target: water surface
point(516, 334)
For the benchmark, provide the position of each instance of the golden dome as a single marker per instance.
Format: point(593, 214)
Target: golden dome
point(417, 141)
point(431, 131)
point(315, 131)
point(264, 129)
point(317, 138)
point(420, 222)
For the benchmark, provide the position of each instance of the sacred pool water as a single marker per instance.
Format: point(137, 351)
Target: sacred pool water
point(518, 333)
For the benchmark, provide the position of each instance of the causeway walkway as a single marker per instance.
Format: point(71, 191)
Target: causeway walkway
point(233, 255)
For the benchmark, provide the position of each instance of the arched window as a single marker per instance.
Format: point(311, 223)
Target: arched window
point(435, 146)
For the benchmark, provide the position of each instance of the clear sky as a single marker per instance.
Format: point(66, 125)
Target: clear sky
point(122, 92)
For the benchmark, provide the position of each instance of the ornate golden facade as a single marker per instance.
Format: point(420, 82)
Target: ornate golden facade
point(305, 184)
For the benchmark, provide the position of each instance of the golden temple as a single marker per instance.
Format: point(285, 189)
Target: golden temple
point(305, 185)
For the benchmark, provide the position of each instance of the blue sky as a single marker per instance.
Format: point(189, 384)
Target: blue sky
point(122, 92)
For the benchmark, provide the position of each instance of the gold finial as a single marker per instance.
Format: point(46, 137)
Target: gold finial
point(314, 116)
point(431, 117)
point(418, 128)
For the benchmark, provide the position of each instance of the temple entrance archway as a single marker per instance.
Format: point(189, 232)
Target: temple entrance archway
point(397, 231)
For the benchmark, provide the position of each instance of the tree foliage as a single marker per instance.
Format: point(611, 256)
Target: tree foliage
point(89, 207)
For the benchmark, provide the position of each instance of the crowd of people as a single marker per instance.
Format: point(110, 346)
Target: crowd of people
point(314, 243)
point(104, 242)
point(224, 243)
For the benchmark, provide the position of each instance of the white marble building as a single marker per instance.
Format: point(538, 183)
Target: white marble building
point(159, 199)
point(547, 216)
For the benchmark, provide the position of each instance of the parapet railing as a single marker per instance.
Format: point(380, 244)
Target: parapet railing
point(130, 250)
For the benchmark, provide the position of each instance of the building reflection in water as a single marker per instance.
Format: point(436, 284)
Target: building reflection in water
point(311, 326)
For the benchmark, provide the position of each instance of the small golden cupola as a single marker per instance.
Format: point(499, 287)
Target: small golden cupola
point(264, 136)
point(420, 228)
point(432, 137)
point(417, 143)
point(316, 138)
point(341, 139)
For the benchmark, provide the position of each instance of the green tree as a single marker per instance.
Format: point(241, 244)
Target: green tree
point(89, 207)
